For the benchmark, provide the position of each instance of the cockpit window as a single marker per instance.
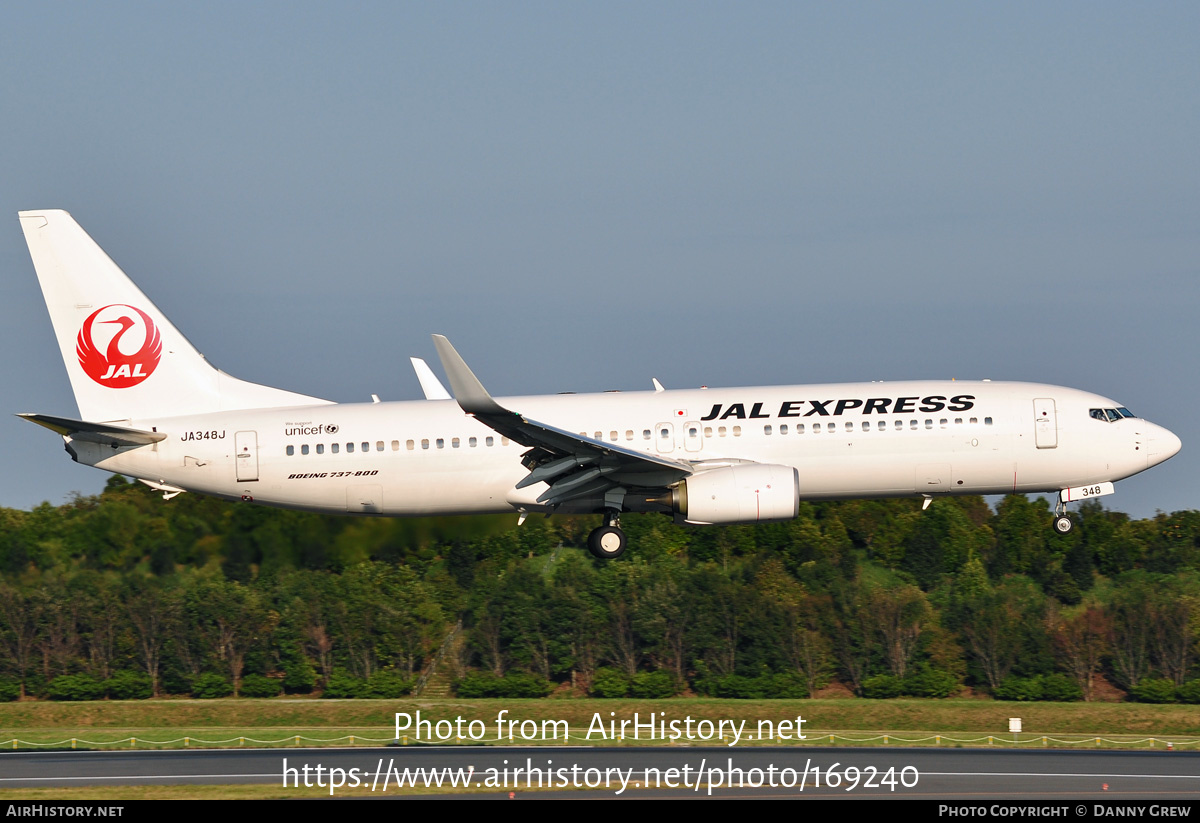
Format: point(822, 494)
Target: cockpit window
point(1110, 415)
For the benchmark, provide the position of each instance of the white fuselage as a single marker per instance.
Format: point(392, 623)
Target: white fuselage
point(428, 457)
point(151, 406)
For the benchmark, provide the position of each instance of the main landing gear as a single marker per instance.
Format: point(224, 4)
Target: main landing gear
point(608, 541)
point(1062, 522)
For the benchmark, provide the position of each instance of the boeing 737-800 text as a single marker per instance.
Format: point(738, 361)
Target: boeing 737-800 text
point(152, 407)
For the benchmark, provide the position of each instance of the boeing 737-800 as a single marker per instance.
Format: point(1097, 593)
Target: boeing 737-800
point(152, 407)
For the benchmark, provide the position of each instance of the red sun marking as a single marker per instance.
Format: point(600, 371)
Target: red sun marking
point(113, 367)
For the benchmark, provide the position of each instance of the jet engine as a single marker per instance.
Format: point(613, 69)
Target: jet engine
point(742, 493)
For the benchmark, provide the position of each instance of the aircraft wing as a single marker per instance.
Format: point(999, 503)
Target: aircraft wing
point(103, 433)
point(573, 466)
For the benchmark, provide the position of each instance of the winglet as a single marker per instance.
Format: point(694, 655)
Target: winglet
point(430, 385)
point(468, 391)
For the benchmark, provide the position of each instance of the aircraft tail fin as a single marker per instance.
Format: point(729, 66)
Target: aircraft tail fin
point(125, 359)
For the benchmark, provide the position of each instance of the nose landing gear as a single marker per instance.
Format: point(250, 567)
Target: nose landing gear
point(608, 541)
point(1062, 521)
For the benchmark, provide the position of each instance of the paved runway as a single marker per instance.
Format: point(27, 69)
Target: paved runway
point(961, 774)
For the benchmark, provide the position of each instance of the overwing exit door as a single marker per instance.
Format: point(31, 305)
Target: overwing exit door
point(664, 437)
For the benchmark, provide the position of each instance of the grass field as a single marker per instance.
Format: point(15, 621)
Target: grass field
point(116, 794)
point(371, 722)
point(196, 723)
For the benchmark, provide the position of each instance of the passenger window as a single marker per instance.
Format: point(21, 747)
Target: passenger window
point(320, 448)
point(974, 421)
point(304, 449)
point(943, 422)
point(491, 441)
point(799, 428)
point(783, 429)
point(395, 445)
point(816, 428)
point(720, 431)
point(866, 425)
point(503, 440)
point(612, 436)
point(987, 421)
point(913, 424)
point(408, 444)
point(645, 434)
point(366, 447)
point(664, 433)
point(349, 448)
point(424, 443)
point(899, 425)
point(708, 431)
point(441, 442)
point(335, 447)
point(599, 436)
point(454, 443)
point(849, 426)
point(737, 431)
point(958, 421)
point(695, 432)
point(472, 441)
point(378, 445)
point(629, 434)
point(928, 423)
point(291, 450)
point(767, 429)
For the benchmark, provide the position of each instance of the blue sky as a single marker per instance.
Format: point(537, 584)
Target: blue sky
point(586, 195)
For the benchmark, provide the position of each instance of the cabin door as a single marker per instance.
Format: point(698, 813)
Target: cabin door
point(246, 444)
point(1045, 423)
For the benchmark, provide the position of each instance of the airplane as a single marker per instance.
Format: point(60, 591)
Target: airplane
point(151, 407)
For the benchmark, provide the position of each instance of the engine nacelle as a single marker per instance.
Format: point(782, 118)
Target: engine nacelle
point(744, 493)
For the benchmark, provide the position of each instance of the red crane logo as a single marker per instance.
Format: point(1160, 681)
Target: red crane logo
point(115, 368)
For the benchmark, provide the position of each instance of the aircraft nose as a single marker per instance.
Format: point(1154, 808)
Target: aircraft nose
point(1161, 445)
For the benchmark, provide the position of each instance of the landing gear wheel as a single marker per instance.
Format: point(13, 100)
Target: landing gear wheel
point(607, 542)
point(1063, 524)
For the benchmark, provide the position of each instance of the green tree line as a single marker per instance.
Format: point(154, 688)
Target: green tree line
point(126, 595)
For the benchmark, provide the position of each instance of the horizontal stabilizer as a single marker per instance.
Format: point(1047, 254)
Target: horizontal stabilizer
point(168, 490)
point(103, 433)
